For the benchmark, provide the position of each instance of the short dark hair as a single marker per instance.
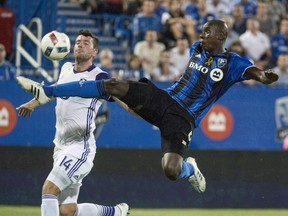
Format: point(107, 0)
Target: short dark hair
point(221, 26)
point(87, 33)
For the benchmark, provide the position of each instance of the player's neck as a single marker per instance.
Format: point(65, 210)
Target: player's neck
point(82, 66)
point(215, 51)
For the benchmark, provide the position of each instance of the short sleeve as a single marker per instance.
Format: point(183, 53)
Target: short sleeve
point(240, 65)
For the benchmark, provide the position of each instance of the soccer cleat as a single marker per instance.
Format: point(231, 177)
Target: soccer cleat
point(197, 180)
point(124, 208)
point(35, 88)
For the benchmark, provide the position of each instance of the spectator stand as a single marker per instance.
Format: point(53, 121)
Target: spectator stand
point(29, 29)
point(23, 53)
point(123, 30)
point(103, 26)
point(113, 32)
point(45, 10)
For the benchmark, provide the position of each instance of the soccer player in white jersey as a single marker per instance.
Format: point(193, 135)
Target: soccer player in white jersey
point(75, 145)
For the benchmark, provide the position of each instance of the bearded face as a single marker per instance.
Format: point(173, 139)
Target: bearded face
point(84, 49)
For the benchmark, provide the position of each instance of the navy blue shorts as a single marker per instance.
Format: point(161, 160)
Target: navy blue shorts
point(159, 109)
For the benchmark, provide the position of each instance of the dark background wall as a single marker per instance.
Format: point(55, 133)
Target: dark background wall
point(235, 179)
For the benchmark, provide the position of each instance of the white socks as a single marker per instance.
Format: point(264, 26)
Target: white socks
point(89, 209)
point(49, 206)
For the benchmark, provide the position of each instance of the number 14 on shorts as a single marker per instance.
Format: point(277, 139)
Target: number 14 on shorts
point(66, 163)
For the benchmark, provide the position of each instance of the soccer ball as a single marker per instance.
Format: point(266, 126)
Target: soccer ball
point(55, 45)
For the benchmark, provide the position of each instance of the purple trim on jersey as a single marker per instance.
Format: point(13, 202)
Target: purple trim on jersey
point(103, 75)
point(87, 70)
point(83, 158)
point(78, 164)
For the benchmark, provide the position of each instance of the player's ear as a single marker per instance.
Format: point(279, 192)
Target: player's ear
point(222, 36)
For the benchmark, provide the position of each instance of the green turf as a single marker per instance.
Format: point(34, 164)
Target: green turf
point(35, 211)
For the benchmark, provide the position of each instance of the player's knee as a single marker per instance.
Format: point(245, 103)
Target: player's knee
point(50, 188)
point(117, 88)
point(68, 209)
point(171, 172)
point(110, 85)
point(171, 165)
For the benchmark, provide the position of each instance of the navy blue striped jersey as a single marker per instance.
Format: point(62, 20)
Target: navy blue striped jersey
point(206, 79)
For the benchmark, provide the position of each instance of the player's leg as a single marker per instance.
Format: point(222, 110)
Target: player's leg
point(176, 168)
point(50, 205)
point(69, 196)
point(56, 182)
point(60, 179)
point(68, 173)
point(85, 89)
point(176, 131)
point(88, 89)
point(68, 200)
point(69, 193)
point(171, 165)
point(91, 209)
point(69, 207)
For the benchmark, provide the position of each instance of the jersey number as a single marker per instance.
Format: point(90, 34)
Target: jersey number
point(66, 163)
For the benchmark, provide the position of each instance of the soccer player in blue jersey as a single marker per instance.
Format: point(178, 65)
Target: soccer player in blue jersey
point(177, 110)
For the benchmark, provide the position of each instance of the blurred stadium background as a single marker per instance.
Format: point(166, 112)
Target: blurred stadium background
point(238, 146)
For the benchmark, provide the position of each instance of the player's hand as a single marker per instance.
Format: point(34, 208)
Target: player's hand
point(24, 110)
point(271, 75)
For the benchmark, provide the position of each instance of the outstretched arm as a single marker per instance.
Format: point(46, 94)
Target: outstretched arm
point(263, 76)
point(25, 110)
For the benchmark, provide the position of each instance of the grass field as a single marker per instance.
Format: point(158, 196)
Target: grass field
point(35, 211)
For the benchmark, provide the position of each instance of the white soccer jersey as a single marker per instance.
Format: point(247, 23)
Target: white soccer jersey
point(75, 116)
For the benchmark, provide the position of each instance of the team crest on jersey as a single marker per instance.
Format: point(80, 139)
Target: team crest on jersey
point(216, 74)
point(81, 81)
point(221, 62)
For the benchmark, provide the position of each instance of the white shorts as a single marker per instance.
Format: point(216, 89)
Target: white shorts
point(67, 174)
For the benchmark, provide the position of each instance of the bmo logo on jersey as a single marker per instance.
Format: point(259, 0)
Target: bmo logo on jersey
point(216, 74)
point(198, 67)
